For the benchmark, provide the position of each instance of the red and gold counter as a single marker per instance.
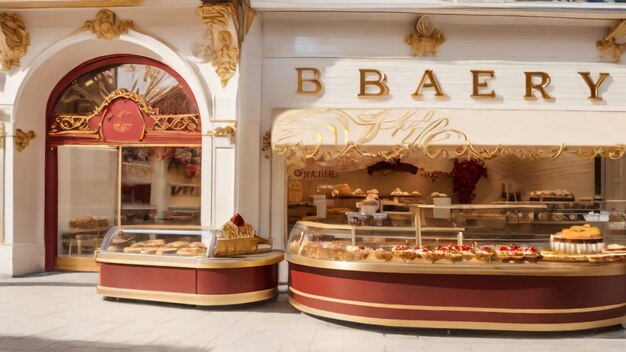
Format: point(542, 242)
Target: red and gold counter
point(496, 296)
point(198, 281)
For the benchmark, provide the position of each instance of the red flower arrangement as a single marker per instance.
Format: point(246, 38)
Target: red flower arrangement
point(185, 159)
point(465, 176)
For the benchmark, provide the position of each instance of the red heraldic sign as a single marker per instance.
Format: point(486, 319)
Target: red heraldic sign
point(123, 121)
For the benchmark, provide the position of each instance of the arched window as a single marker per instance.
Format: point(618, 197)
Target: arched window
point(124, 149)
point(112, 101)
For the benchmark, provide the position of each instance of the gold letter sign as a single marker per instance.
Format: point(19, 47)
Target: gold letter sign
point(378, 82)
point(593, 87)
point(477, 83)
point(541, 87)
point(432, 83)
point(315, 80)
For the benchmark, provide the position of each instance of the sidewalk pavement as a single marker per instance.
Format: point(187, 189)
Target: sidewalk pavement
point(62, 312)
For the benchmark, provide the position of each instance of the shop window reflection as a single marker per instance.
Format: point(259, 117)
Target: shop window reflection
point(160, 186)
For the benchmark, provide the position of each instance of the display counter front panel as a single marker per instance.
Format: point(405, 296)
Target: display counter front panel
point(548, 302)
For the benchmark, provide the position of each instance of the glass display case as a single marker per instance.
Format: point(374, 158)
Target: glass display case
point(160, 242)
point(468, 234)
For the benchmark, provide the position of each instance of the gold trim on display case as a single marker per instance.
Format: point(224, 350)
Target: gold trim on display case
point(437, 324)
point(510, 269)
point(188, 298)
point(459, 309)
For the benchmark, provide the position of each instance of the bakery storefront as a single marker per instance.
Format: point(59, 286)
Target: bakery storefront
point(446, 191)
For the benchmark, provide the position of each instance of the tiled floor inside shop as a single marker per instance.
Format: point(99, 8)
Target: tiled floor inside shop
point(62, 312)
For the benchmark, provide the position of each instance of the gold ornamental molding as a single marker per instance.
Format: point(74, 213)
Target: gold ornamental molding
point(163, 124)
point(425, 38)
point(222, 44)
point(13, 39)
point(266, 144)
point(106, 25)
point(22, 139)
point(417, 134)
point(608, 46)
point(226, 131)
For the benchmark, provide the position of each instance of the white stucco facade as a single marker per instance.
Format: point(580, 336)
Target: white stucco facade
point(237, 175)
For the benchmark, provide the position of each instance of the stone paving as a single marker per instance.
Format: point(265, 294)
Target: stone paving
point(62, 312)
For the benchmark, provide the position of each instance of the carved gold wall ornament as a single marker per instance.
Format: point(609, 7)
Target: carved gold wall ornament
point(106, 25)
point(221, 45)
point(609, 46)
point(226, 131)
point(266, 144)
point(425, 38)
point(22, 139)
point(13, 39)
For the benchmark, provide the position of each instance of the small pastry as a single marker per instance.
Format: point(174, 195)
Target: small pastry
point(403, 252)
point(197, 245)
point(177, 244)
point(166, 250)
point(114, 249)
point(358, 252)
point(383, 254)
point(155, 243)
point(191, 252)
point(135, 250)
point(358, 193)
point(149, 250)
point(423, 253)
point(484, 254)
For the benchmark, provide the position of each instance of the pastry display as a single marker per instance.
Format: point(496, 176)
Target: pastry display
point(358, 252)
point(585, 239)
point(403, 252)
point(87, 222)
point(358, 193)
point(397, 192)
point(552, 195)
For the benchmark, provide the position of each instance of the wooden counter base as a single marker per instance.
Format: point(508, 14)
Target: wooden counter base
point(202, 282)
point(460, 301)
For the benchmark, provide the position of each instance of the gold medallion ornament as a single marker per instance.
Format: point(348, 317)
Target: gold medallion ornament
point(106, 25)
point(608, 46)
point(13, 39)
point(425, 38)
point(222, 44)
point(22, 139)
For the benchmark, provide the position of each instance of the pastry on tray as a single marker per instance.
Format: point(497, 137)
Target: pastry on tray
point(383, 254)
point(358, 252)
point(359, 193)
point(396, 192)
point(403, 252)
point(166, 250)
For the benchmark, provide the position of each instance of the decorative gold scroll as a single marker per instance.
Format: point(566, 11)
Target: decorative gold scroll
point(186, 122)
point(78, 125)
point(222, 46)
point(13, 39)
point(425, 38)
point(22, 139)
point(106, 25)
point(608, 46)
point(417, 132)
point(266, 144)
point(226, 131)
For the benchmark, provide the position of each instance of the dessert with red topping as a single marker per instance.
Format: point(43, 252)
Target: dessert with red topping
point(403, 252)
point(383, 254)
point(358, 252)
point(424, 253)
point(483, 254)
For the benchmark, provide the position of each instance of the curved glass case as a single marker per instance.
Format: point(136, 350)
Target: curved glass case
point(188, 243)
point(504, 233)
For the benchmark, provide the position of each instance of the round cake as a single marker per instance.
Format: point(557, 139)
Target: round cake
point(585, 239)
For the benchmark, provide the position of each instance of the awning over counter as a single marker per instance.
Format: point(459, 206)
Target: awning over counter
point(358, 134)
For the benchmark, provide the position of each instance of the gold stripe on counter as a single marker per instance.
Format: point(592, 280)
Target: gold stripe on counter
point(459, 309)
point(188, 298)
point(440, 324)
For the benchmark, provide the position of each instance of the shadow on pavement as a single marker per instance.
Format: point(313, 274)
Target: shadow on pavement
point(36, 283)
point(612, 332)
point(31, 343)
